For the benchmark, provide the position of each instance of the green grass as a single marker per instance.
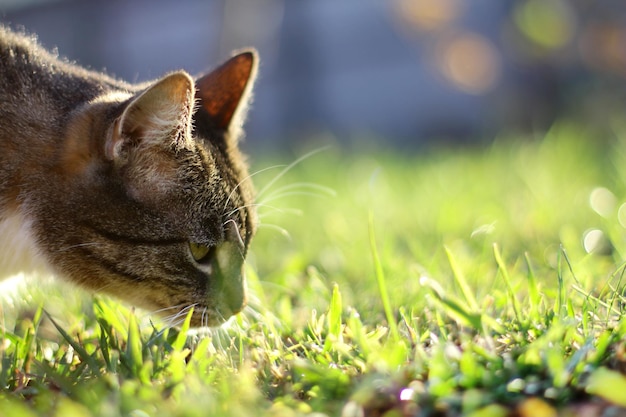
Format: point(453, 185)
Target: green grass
point(456, 281)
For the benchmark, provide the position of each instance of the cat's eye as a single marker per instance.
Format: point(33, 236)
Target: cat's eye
point(199, 251)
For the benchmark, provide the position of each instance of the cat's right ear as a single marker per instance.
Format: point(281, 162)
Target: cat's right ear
point(225, 92)
point(160, 115)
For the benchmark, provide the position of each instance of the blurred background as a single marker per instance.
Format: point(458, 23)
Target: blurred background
point(400, 72)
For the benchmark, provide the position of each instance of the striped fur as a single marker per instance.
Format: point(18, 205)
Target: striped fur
point(105, 183)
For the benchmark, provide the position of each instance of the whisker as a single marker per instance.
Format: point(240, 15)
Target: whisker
point(166, 308)
point(230, 213)
point(289, 168)
point(180, 316)
point(204, 321)
point(165, 319)
point(220, 316)
point(276, 228)
point(273, 208)
point(167, 322)
point(217, 339)
point(323, 190)
point(246, 178)
point(240, 243)
point(253, 312)
point(261, 314)
point(291, 193)
point(175, 318)
point(176, 323)
point(185, 310)
point(287, 210)
point(80, 245)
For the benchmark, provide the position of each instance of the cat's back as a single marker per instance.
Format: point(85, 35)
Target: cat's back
point(25, 65)
point(32, 76)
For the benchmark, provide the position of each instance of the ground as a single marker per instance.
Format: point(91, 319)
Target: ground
point(480, 281)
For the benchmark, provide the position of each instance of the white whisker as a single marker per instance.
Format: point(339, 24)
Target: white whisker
point(80, 245)
point(286, 210)
point(185, 310)
point(230, 213)
point(240, 243)
point(301, 186)
point(173, 322)
point(288, 168)
point(220, 316)
point(176, 323)
point(166, 308)
point(245, 179)
point(204, 321)
point(291, 193)
point(179, 317)
point(276, 228)
point(273, 208)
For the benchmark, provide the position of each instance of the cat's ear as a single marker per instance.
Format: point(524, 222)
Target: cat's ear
point(161, 114)
point(225, 92)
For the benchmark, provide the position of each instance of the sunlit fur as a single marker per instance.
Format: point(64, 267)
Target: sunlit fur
point(105, 183)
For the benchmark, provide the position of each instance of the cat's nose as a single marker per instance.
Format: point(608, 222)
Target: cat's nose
point(235, 295)
point(228, 276)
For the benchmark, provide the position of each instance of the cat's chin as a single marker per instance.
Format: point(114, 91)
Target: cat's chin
point(205, 317)
point(211, 320)
point(201, 317)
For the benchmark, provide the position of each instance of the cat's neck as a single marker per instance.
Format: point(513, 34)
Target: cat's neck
point(35, 157)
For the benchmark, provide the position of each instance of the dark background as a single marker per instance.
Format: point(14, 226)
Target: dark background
point(401, 72)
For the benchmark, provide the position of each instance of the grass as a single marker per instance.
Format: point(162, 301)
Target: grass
point(480, 282)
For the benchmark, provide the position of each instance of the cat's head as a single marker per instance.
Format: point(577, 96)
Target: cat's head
point(156, 204)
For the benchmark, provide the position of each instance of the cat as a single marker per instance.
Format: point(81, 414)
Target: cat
point(137, 191)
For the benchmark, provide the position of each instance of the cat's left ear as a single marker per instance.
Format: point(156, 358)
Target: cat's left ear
point(225, 92)
point(160, 115)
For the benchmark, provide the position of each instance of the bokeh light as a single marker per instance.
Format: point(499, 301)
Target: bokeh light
point(550, 24)
point(428, 15)
point(602, 47)
point(409, 71)
point(594, 241)
point(621, 215)
point(470, 62)
point(602, 201)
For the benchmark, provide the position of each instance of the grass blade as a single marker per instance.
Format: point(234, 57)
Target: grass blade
point(82, 353)
point(380, 279)
point(181, 337)
point(533, 290)
point(507, 280)
point(133, 346)
point(334, 313)
point(461, 281)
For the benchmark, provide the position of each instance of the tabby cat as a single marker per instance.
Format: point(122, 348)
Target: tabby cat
point(138, 191)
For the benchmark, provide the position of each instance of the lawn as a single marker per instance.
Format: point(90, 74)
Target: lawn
point(479, 281)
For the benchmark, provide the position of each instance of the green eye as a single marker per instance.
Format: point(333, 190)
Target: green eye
point(199, 251)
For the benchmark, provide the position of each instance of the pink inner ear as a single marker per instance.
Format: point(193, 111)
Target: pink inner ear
point(221, 91)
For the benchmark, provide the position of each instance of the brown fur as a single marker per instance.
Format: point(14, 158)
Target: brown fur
point(110, 182)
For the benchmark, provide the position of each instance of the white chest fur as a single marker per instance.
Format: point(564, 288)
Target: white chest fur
point(18, 249)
